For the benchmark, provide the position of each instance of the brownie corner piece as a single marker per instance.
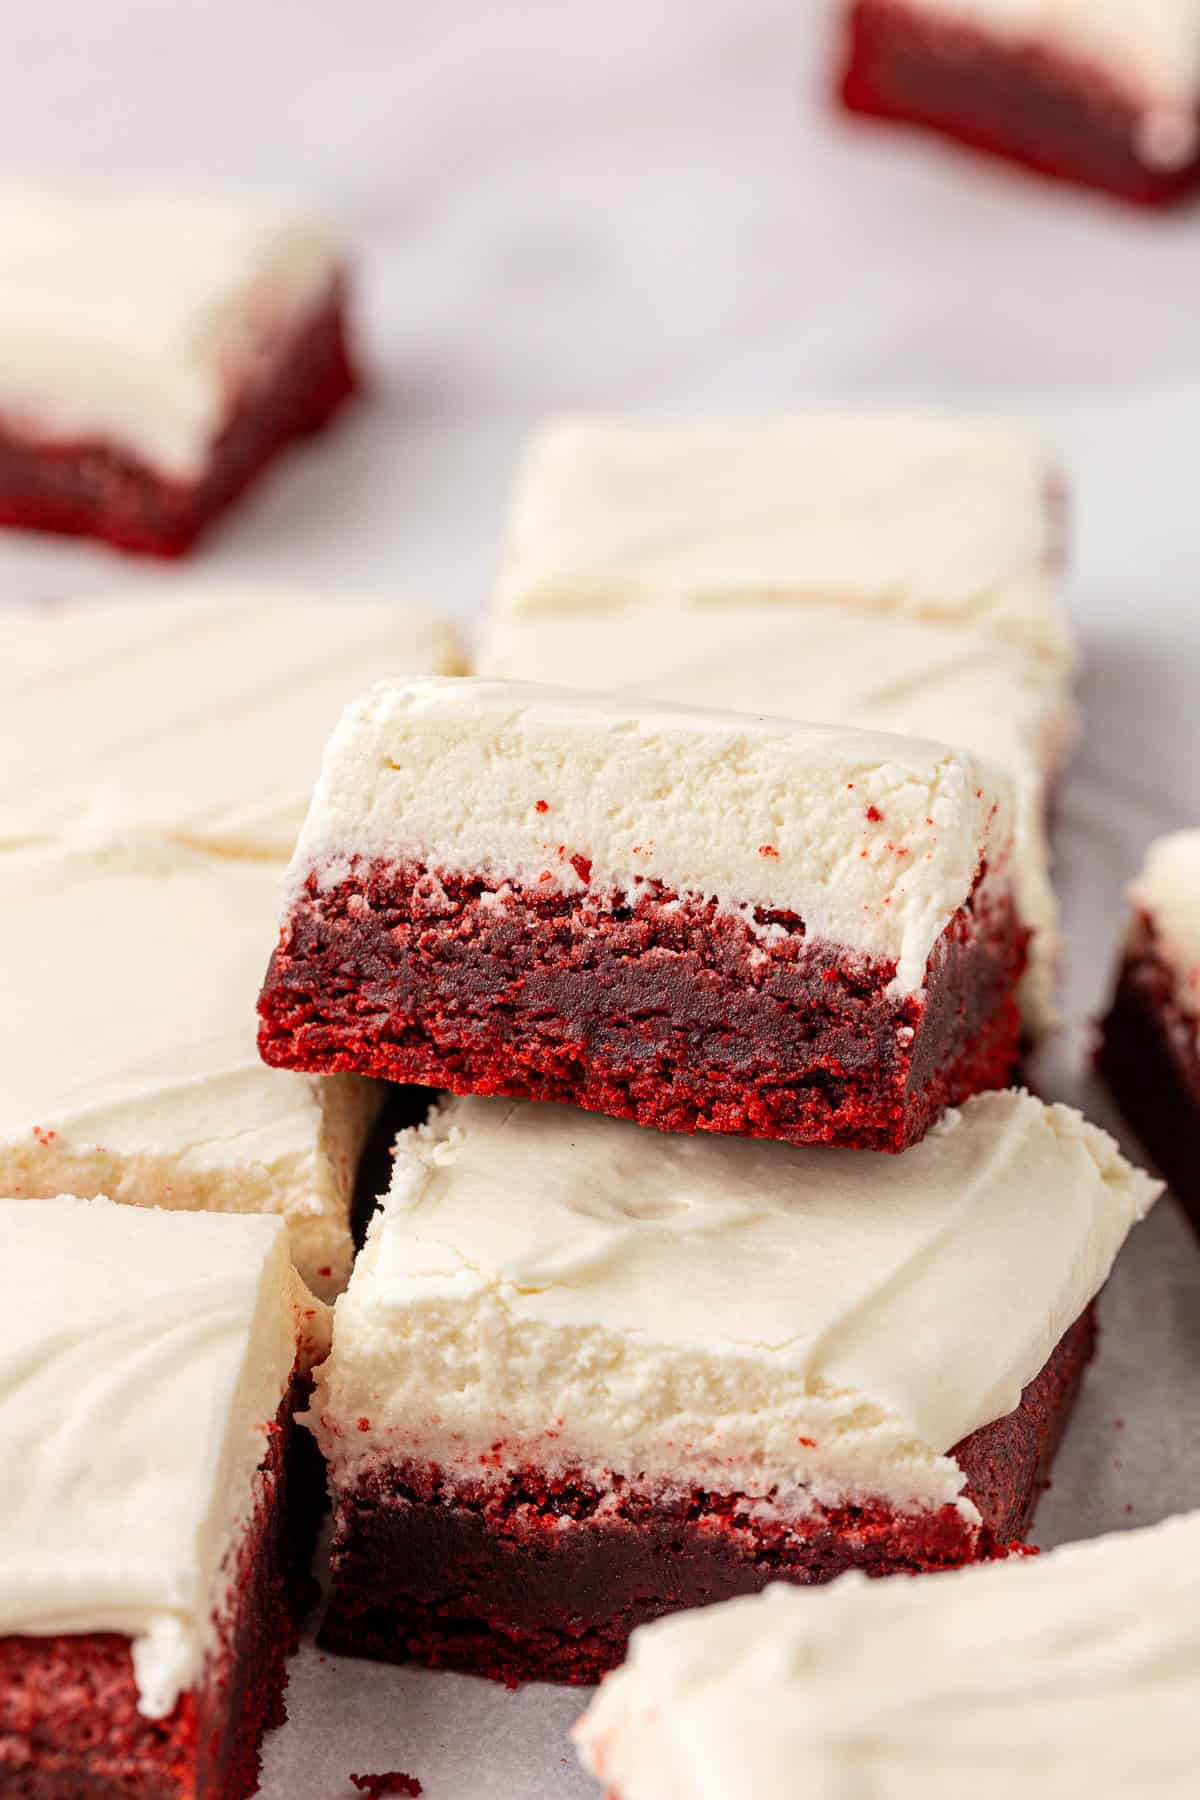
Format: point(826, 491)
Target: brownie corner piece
point(700, 921)
point(1104, 97)
point(174, 345)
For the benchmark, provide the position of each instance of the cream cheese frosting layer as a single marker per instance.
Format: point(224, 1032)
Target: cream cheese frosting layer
point(136, 319)
point(875, 841)
point(128, 1062)
point(1167, 895)
point(901, 675)
point(143, 1360)
point(196, 712)
point(939, 518)
point(807, 1324)
point(1147, 48)
point(1071, 1675)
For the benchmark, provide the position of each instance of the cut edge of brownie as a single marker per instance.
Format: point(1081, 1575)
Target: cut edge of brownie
point(1148, 1056)
point(1044, 109)
point(70, 1724)
point(96, 489)
point(670, 1011)
point(519, 1576)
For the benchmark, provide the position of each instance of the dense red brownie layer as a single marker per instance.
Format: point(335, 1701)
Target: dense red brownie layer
point(1149, 1056)
point(70, 1728)
point(671, 1013)
point(522, 1577)
point(97, 490)
point(1057, 116)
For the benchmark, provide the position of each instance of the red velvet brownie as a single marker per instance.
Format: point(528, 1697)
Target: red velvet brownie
point(585, 1374)
point(1070, 1676)
point(157, 1519)
point(1104, 92)
point(1149, 1051)
point(702, 921)
point(156, 352)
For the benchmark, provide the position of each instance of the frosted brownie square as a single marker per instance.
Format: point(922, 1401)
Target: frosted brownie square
point(1104, 92)
point(957, 521)
point(879, 674)
point(584, 1374)
point(155, 1513)
point(157, 350)
point(1080, 1663)
point(197, 712)
point(128, 1064)
point(700, 920)
point(1149, 1051)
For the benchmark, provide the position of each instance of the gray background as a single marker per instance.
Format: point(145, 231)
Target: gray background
point(647, 206)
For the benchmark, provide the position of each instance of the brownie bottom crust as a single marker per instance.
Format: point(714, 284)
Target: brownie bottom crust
point(519, 1577)
point(1149, 1058)
point(1031, 106)
point(93, 489)
point(670, 1012)
point(70, 1728)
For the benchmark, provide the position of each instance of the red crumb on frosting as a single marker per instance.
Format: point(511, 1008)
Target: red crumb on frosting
point(582, 866)
point(393, 1782)
point(541, 806)
point(874, 814)
point(364, 1424)
point(767, 850)
point(809, 1443)
point(43, 1136)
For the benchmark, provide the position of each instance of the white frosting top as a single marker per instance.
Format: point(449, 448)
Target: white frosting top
point(135, 318)
point(128, 1062)
point(197, 712)
point(1072, 1675)
point(936, 518)
point(752, 1316)
point(1167, 894)
point(1151, 47)
point(144, 1355)
point(874, 841)
point(892, 674)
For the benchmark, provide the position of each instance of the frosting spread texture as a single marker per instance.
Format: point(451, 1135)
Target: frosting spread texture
point(925, 517)
point(196, 712)
point(1072, 1674)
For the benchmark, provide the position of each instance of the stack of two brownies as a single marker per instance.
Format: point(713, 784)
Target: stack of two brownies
point(787, 1282)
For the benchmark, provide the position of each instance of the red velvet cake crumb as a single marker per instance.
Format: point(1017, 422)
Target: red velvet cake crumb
point(668, 1011)
point(1028, 104)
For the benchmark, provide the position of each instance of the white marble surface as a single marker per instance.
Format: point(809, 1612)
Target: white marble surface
point(648, 207)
